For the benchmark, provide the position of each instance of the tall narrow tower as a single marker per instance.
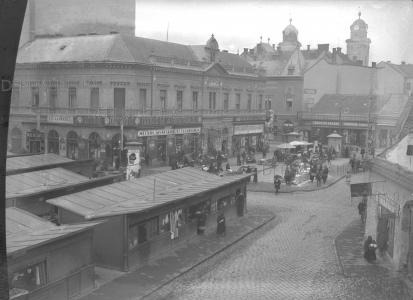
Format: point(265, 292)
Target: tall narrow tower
point(358, 45)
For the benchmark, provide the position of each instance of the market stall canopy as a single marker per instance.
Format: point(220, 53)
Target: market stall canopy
point(25, 231)
point(138, 195)
point(297, 143)
point(285, 146)
point(306, 143)
point(293, 133)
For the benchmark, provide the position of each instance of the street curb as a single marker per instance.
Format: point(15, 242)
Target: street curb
point(288, 192)
point(207, 258)
point(343, 273)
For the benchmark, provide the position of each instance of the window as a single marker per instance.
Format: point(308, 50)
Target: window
point(72, 97)
point(173, 220)
point(142, 232)
point(408, 85)
point(94, 97)
point(162, 97)
point(53, 96)
point(214, 206)
point(212, 100)
point(194, 100)
point(179, 100)
point(249, 101)
point(268, 101)
point(259, 101)
point(212, 56)
point(238, 101)
point(226, 100)
point(289, 99)
point(29, 278)
point(35, 96)
point(310, 103)
point(142, 98)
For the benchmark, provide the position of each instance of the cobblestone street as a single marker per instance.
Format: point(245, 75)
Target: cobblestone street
point(292, 257)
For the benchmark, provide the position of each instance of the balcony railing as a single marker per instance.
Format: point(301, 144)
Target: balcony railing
point(130, 112)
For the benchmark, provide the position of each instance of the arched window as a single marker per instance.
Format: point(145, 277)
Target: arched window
point(53, 135)
point(53, 142)
point(289, 95)
point(72, 136)
point(72, 150)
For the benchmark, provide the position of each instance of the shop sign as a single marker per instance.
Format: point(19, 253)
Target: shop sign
point(335, 117)
point(321, 123)
point(170, 143)
point(347, 124)
point(59, 119)
point(35, 135)
point(168, 131)
point(288, 124)
point(168, 120)
point(81, 144)
point(89, 120)
point(310, 91)
point(251, 119)
point(248, 129)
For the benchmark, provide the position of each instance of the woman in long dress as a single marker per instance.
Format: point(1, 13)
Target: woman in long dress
point(221, 228)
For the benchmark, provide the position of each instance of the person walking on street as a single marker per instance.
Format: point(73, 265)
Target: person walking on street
point(312, 173)
point(221, 228)
point(287, 177)
point(277, 184)
point(370, 247)
point(324, 175)
point(318, 177)
point(244, 156)
point(147, 159)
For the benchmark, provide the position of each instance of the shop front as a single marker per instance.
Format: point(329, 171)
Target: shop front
point(35, 142)
point(247, 137)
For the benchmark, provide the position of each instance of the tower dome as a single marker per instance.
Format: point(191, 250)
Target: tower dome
point(290, 29)
point(359, 24)
point(290, 38)
point(212, 43)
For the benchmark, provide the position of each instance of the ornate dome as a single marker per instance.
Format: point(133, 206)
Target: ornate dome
point(290, 29)
point(212, 43)
point(359, 23)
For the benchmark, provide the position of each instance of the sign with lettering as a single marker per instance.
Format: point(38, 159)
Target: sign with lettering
point(168, 120)
point(335, 117)
point(60, 119)
point(344, 124)
point(251, 119)
point(35, 135)
point(248, 129)
point(168, 131)
point(310, 91)
point(321, 123)
point(89, 120)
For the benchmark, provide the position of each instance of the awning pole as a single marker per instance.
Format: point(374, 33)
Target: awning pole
point(154, 182)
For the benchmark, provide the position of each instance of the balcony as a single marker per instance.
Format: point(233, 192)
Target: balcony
point(131, 112)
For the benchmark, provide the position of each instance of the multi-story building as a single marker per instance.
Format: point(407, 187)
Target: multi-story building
point(74, 94)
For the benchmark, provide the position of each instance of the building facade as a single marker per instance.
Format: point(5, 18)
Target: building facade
point(76, 95)
point(358, 45)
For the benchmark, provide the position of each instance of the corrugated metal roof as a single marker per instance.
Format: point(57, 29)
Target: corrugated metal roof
point(32, 161)
point(40, 181)
point(25, 231)
point(137, 195)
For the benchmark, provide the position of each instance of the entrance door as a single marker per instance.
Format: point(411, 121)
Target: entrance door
point(119, 101)
point(34, 146)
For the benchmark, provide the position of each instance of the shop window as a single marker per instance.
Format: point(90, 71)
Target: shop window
point(194, 100)
point(226, 100)
point(53, 97)
point(214, 206)
point(179, 95)
point(94, 97)
point(162, 98)
point(72, 145)
point(142, 232)
point(259, 101)
point(173, 220)
point(142, 98)
point(53, 142)
point(238, 101)
point(35, 96)
point(29, 278)
point(249, 101)
point(72, 97)
point(212, 100)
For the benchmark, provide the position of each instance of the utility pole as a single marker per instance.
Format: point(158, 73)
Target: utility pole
point(368, 122)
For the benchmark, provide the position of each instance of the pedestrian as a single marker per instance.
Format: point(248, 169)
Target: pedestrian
point(370, 247)
point(329, 157)
point(287, 176)
point(244, 156)
point(117, 162)
point(318, 177)
point(346, 152)
point(264, 153)
point(312, 173)
point(324, 175)
point(202, 217)
point(277, 184)
point(221, 228)
point(362, 152)
point(174, 164)
point(240, 205)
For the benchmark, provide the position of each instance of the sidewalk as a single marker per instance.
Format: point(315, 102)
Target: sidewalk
point(146, 279)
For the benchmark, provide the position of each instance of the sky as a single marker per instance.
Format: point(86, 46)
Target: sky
point(240, 24)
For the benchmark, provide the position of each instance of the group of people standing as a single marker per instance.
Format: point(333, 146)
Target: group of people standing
point(319, 173)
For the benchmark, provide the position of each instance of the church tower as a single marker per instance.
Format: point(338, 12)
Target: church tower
point(290, 38)
point(358, 45)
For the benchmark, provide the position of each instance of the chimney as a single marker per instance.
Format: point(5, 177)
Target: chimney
point(273, 46)
point(373, 64)
point(403, 62)
point(339, 49)
point(308, 47)
point(246, 50)
point(93, 33)
point(278, 49)
point(113, 32)
point(334, 50)
point(324, 47)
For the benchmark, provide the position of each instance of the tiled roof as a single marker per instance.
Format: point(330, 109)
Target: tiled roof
point(233, 60)
point(276, 67)
point(138, 195)
point(32, 161)
point(41, 181)
point(25, 231)
point(406, 69)
point(356, 104)
point(311, 54)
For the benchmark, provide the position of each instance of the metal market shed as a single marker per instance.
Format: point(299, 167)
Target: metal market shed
point(29, 163)
point(29, 191)
point(46, 261)
point(143, 222)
